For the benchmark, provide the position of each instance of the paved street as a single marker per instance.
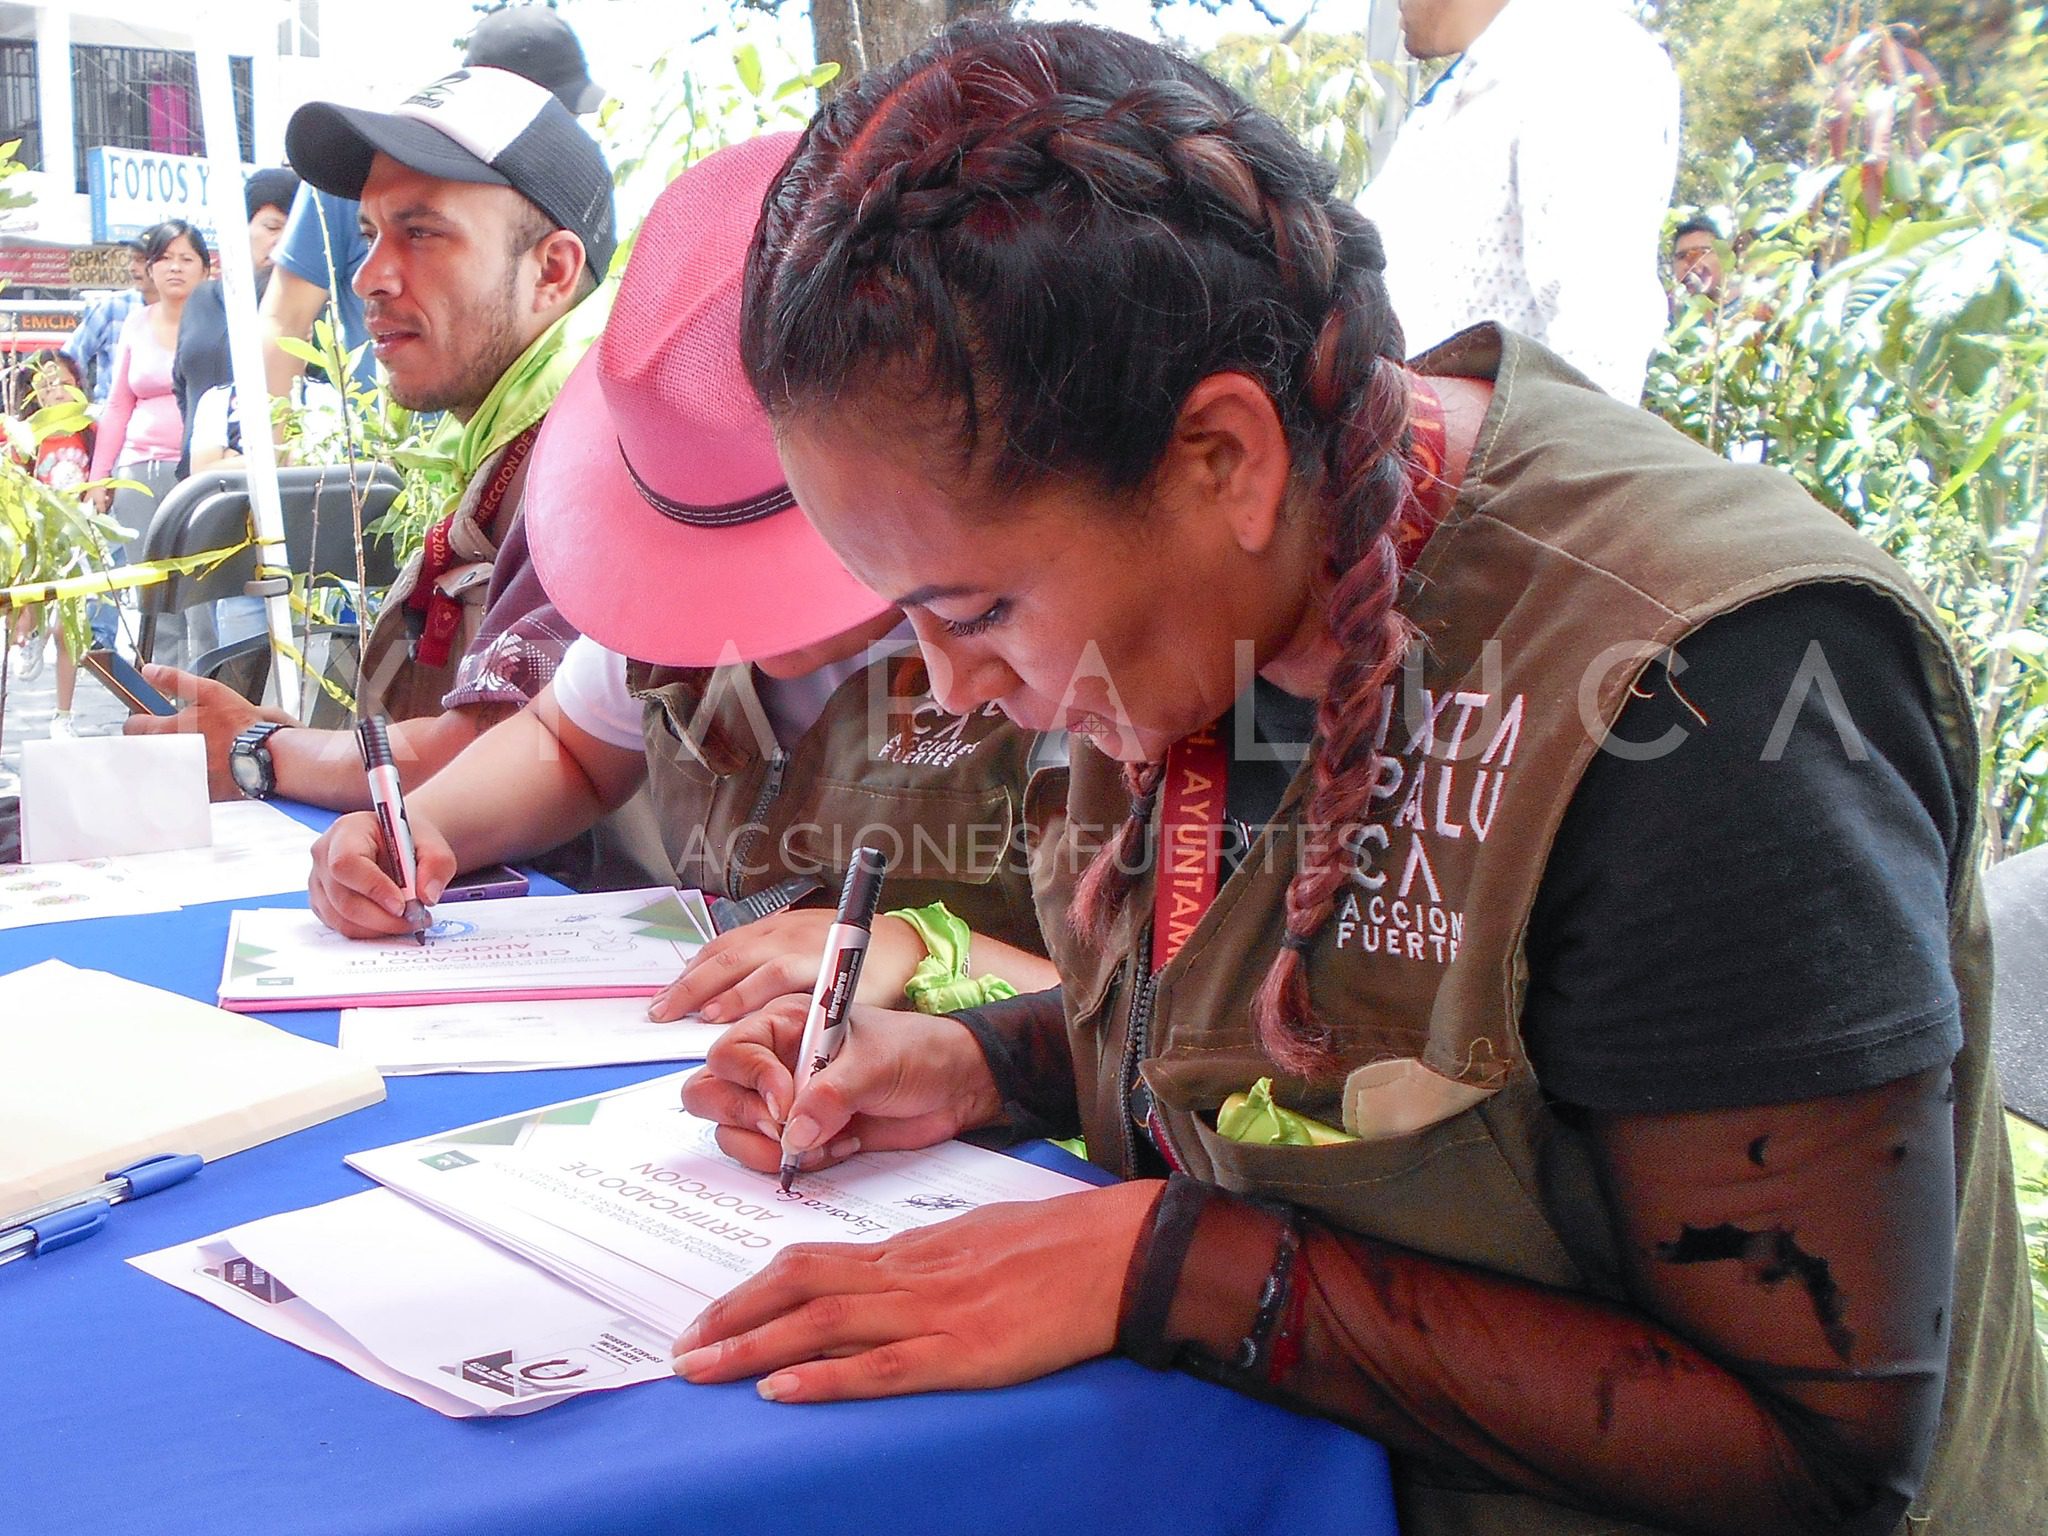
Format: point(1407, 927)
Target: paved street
point(29, 707)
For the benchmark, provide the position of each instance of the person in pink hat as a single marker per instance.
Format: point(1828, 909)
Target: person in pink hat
point(776, 707)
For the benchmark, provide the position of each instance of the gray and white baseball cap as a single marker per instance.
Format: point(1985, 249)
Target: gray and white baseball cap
point(477, 125)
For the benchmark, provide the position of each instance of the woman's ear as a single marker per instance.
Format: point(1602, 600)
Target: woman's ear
point(1229, 458)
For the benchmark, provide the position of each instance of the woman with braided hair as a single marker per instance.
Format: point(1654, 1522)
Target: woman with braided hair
point(1670, 1192)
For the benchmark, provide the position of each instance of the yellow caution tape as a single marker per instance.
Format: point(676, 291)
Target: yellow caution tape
point(332, 689)
point(120, 578)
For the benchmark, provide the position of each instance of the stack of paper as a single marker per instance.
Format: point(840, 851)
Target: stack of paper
point(466, 1329)
point(97, 1072)
point(564, 1249)
point(614, 944)
point(519, 1037)
point(256, 850)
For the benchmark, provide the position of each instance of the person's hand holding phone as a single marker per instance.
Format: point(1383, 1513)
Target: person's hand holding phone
point(351, 887)
point(119, 677)
point(213, 709)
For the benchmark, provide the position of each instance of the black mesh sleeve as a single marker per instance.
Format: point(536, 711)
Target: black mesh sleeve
point(1025, 1041)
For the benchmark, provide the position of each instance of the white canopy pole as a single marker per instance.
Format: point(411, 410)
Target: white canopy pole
point(224, 197)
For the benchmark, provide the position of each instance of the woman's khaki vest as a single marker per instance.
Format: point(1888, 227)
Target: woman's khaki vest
point(940, 794)
point(1586, 538)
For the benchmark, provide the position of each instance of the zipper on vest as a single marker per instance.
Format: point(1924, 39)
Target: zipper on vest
point(778, 763)
point(1137, 1024)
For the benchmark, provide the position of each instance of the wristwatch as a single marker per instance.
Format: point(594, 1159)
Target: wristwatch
point(249, 763)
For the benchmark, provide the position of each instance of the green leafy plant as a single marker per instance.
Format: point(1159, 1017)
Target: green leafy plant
point(1882, 336)
point(45, 535)
point(687, 113)
point(1320, 85)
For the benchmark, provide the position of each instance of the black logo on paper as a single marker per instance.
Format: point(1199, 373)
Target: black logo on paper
point(255, 1280)
point(490, 1371)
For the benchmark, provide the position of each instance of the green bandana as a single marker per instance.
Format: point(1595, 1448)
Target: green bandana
point(524, 391)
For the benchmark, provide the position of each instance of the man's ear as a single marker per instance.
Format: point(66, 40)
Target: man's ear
point(562, 266)
point(1229, 458)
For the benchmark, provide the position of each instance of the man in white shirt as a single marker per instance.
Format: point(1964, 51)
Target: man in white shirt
point(1530, 182)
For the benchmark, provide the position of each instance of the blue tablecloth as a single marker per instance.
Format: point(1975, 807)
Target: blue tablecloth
point(130, 1407)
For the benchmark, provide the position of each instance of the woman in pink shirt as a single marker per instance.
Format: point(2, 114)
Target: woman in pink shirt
point(141, 435)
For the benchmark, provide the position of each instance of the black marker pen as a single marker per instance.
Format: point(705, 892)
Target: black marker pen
point(846, 946)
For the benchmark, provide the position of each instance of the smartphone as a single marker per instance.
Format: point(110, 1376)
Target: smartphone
point(476, 884)
point(126, 684)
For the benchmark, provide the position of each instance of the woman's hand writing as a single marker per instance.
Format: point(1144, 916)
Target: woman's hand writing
point(901, 1080)
point(1001, 1295)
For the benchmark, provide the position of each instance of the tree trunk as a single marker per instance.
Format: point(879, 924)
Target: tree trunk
point(861, 35)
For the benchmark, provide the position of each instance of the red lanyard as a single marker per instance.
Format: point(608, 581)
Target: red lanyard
point(444, 613)
point(1191, 788)
point(1190, 839)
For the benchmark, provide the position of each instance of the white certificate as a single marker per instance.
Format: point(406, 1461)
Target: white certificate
point(520, 948)
point(629, 1197)
point(513, 1263)
point(519, 1037)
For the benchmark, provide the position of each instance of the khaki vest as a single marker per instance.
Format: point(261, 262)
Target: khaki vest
point(1537, 603)
point(941, 794)
point(395, 681)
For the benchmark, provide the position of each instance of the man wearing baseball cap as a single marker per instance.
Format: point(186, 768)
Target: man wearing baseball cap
point(528, 40)
point(772, 709)
point(489, 213)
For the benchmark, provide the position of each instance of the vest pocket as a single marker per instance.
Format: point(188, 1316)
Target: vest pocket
point(1447, 1189)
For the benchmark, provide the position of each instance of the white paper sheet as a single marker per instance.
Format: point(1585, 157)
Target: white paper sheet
point(257, 850)
point(522, 948)
point(433, 1312)
point(519, 1037)
point(31, 894)
point(97, 1071)
point(642, 1207)
point(91, 797)
point(509, 1264)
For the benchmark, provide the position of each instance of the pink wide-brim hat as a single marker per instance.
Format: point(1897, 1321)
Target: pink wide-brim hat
point(656, 510)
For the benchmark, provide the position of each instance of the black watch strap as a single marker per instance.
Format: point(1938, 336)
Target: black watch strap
point(249, 761)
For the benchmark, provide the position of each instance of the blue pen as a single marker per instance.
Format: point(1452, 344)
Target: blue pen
point(58, 1223)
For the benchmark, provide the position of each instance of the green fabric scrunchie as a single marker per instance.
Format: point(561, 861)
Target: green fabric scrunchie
point(940, 984)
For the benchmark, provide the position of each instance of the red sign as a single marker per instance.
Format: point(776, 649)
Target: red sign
point(64, 266)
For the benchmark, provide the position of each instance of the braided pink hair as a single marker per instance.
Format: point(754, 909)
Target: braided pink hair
point(1051, 234)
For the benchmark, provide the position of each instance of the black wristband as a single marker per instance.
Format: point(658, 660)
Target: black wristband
point(1255, 1351)
point(1154, 1275)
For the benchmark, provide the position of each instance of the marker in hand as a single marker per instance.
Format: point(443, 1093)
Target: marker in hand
point(373, 739)
point(846, 946)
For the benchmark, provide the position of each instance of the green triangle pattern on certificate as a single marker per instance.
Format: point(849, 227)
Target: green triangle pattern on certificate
point(511, 1130)
point(249, 960)
point(668, 918)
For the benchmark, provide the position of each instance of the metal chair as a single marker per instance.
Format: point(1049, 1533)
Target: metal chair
point(330, 651)
point(210, 510)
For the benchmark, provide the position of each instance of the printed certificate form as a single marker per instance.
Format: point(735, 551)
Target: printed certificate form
point(612, 944)
point(559, 1250)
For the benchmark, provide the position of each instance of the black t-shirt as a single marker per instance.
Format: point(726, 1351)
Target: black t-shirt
point(1760, 914)
point(201, 360)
